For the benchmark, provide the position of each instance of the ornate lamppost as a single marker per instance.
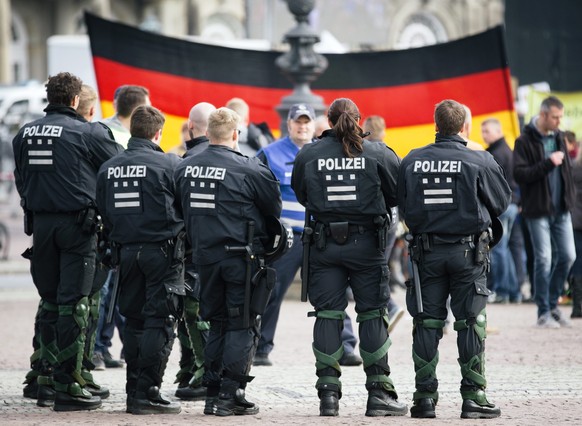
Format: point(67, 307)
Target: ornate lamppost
point(301, 64)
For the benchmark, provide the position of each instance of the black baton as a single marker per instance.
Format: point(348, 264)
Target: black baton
point(114, 294)
point(413, 253)
point(248, 250)
point(306, 240)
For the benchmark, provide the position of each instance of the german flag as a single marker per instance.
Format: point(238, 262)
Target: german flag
point(401, 86)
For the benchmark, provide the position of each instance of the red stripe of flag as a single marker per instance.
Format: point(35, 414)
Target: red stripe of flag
point(404, 105)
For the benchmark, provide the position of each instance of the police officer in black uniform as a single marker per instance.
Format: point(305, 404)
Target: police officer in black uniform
point(226, 198)
point(192, 331)
point(57, 158)
point(348, 185)
point(135, 194)
point(448, 196)
point(85, 113)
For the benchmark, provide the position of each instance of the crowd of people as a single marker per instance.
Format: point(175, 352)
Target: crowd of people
point(204, 245)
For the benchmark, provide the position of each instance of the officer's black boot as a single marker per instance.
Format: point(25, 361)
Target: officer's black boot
point(129, 403)
point(382, 403)
point(328, 403)
point(30, 388)
point(191, 393)
point(45, 394)
point(151, 402)
point(30, 381)
point(211, 397)
point(228, 404)
point(473, 410)
point(423, 408)
point(72, 397)
point(95, 389)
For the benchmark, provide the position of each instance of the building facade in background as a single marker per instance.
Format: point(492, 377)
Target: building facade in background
point(345, 25)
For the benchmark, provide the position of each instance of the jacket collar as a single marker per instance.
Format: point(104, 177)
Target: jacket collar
point(450, 138)
point(139, 143)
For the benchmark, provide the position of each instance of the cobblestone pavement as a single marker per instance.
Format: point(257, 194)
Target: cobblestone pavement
point(535, 376)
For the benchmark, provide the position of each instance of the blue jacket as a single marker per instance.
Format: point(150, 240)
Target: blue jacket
point(280, 158)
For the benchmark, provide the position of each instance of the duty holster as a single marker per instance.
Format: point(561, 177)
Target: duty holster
point(381, 223)
point(482, 247)
point(263, 284)
point(89, 220)
point(179, 246)
point(115, 253)
point(319, 236)
point(28, 218)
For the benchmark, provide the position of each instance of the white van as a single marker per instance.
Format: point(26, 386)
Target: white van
point(20, 104)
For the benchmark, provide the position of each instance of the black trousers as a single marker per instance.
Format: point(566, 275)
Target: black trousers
point(448, 269)
point(361, 265)
point(231, 346)
point(149, 301)
point(62, 268)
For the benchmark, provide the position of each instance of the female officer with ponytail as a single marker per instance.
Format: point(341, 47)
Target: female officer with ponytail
point(348, 185)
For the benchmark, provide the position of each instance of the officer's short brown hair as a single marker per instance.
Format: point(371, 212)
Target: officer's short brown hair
point(221, 124)
point(449, 117)
point(146, 121)
point(129, 97)
point(62, 88)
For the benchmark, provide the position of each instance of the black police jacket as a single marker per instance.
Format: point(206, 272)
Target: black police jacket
point(447, 188)
point(57, 158)
point(337, 188)
point(221, 190)
point(196, 146)
point(136, 194)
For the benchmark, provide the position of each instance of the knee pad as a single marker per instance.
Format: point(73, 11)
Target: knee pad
point(479, 325)
point(80, 314)
point(474, 368)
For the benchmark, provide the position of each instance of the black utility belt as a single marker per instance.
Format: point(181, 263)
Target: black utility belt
point(345, 227)
point(87, 218)
point(144, 245)
point(72, 213)
point(175, 246)
point(436, 239)
point(155, 244)
point(338, 231)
